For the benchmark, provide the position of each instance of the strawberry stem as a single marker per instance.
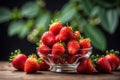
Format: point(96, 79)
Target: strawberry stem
point(35, 56)
point(39, 60)
point(112, 51)
point(94, 58)
point(13, 54)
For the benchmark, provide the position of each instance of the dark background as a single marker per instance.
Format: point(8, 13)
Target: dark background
point(9, 44)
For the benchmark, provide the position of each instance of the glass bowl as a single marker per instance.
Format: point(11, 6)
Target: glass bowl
point(68, 64)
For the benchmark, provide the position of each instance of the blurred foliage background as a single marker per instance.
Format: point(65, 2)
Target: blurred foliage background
point(90, 17)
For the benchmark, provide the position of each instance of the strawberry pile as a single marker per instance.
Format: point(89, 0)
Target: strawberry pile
point(30, 64)
point(63, 44)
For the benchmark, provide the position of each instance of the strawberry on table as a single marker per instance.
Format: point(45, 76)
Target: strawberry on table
point(73, 47)
point(113, 59)
point(48, 38)
point(31, 64)
point(84, 45)
point(55, 27)
point(43, 66)
point(103, 65)
point(85, 66)
point(18, 59)
point(58, 50)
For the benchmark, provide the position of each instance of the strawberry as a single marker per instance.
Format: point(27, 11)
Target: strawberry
point(18, 59)
point(63, 61)
point(55, 60)
point(71, 59)
point(58, 50)
point(31, 64)
point(44, 49)
point(66, 34)
point(57, 38)
point(85, 66)
point(84, 46)
point(48, 38)
point(55, 27)
point(43, 66)
point(77, 35)
point(103, 65)
point(73, 47)
point(113, 59)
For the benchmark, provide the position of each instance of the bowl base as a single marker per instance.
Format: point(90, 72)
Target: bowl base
point(65, 69)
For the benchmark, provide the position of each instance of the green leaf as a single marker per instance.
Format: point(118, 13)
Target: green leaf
point(87, 6)
point(67, 7)
point(15, 27)
point(106, 3)
point(109, 20)
point(68, 15)
point(30, 9)
point(95, 11)
point(119, 12)
point(97, 38)
point(43, 21)
point(24, 31)
point(5, 14)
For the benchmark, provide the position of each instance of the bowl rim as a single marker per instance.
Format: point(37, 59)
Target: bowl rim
point(67, 49)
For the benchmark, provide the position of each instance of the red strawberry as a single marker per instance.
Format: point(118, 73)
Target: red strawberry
point(55, 27)
point(44, 66)
point(58, 50)
point(71, 59)
point(85, 66)
point(113, 59)
point(63, 61)
point(31, 64)
point(103, 65)
point(84, 46)
point(57, 38)
point(73, 47)
point(48, 38)
point(77, 35)
point(44, 49)
point(55, 60)
point(66, 34)
point(18, 60)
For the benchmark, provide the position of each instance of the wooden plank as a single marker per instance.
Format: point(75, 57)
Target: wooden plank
point(7, 72)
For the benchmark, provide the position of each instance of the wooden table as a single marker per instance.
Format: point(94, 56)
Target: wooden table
point(7, 72)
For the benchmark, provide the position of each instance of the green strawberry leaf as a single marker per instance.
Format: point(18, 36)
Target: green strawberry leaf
point(87, 6)
point(43, 20)
point(5, 14)
point(24, 31)
point(109, 20)
point(97, 38)
point(30, 9)
point(67, 7)
point(106, 3)
point(15, 27)
point(65, 17)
